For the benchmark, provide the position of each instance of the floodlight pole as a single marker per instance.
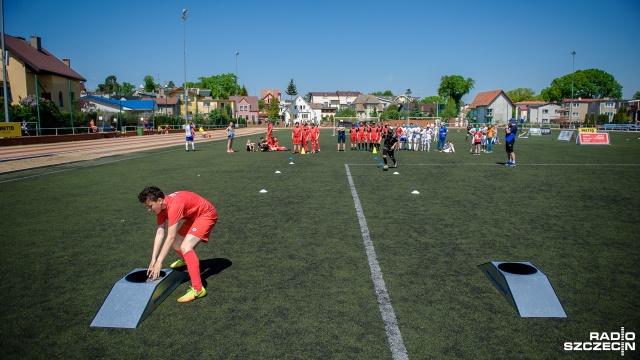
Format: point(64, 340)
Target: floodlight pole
point(573, 61)
point(4, 66)
point(236, 88)
point(186, 93)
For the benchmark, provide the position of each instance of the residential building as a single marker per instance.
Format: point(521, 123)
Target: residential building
point(364, 106)
point(587, 107)
point(268, 95)
point(33, 70)
point(248, 108)
point(538, 112)
point(334, 99)
point(634, 111)
point(302, 111)
point(491, 107)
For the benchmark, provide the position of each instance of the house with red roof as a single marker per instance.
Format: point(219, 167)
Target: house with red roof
point(491, 107)
point(33, 70)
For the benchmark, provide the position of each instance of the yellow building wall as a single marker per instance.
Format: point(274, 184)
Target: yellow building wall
point(23, 84)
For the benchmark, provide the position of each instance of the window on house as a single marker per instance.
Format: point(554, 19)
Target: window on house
point(60, 100)
point(608, 104)
point(253, 118)
point(206, 103)
point(575, 105)
point(46, 95)
point(545, 111)
point(575, 114)
point(489, 112)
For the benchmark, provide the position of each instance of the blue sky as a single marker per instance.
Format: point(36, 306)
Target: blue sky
point(329, 45)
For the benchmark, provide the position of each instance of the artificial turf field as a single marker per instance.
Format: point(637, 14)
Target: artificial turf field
point(288, 271)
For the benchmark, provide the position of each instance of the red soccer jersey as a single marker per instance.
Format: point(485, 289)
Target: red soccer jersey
point(297, 133)
point(185, 205)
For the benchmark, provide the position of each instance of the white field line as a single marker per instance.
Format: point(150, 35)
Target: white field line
point(396, 344)
point(498, 164)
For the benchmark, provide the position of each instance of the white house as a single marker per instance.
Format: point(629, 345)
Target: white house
point(491, 107)
point(334, 99)
point(538, 112)
point(299, 110)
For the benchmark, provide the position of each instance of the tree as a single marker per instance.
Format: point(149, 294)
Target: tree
point(587, 84)
point(222, 86)
point(522, 94)
point(261, 105)
point(382, 93)
point(291, 89)
point(621, 116)
point(127, 88)
point(450, 109)
point(433, 99)
point(374, 113)
point(274, 109)
point(346, 112)
point(110, 84)
point(455, 87)
point(149, 84)
point(243, 91)
point(308, 97)
point(636, 96)
point(171, 85)
point(415, 111)
point(390, 113)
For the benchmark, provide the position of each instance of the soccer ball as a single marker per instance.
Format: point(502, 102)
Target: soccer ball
point(385, 168)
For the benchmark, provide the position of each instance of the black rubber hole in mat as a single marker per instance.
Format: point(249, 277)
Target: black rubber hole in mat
point(517, 268)
point(141, 276)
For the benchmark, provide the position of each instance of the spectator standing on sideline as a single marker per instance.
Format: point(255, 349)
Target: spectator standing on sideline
point(442, 137)
point(190, 132)
point(342, 138)
point(490, 135)
point(230, 131)
point(510, 138)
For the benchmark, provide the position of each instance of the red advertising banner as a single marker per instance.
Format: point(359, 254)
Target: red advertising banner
point(593, 139)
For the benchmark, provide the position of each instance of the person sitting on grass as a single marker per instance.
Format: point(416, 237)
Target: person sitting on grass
point(199, 216)
point(448, 147)
point(277, 147)
point(250, 146)
point(263, 145)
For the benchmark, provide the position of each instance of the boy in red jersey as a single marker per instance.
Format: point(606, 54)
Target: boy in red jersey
point(361, 137)
point(353, 136)
point(200, 218)
point(305, 136)
point(314, 133)
point(296, 137)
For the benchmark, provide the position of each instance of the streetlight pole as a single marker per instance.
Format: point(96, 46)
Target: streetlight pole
point(573, 61)
point(186, 91)
point(236, 107)
point(4, 67)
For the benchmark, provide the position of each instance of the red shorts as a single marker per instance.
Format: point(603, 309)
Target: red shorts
point(353, 137)
point(297, 141)
point(200, 227)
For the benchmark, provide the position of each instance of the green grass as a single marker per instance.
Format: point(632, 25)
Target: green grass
point(298, 284)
